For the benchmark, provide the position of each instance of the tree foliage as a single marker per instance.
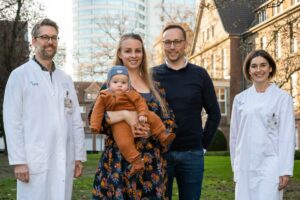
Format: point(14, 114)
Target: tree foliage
point(109, 29)
point(15, 17)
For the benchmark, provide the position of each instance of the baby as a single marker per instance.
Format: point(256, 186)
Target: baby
point(117, 97)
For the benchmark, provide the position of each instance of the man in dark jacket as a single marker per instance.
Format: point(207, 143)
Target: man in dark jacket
point(188, 89)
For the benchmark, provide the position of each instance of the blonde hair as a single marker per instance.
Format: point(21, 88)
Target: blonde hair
point(144, 70)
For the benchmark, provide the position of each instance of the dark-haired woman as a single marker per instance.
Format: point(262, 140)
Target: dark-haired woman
point(262, 133)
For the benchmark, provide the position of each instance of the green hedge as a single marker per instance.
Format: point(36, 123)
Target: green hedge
point(219, 142)
point(297, 155)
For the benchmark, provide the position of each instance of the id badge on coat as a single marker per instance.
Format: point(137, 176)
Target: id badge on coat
point(67, 101)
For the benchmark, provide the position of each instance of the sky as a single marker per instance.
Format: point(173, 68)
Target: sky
point(60, 11)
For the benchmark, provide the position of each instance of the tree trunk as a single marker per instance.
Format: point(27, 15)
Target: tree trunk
point(9, 55)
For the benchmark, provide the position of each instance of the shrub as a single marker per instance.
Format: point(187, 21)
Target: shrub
point(297, 155)
point(219, 142)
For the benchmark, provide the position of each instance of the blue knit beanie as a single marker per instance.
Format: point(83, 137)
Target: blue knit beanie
point(115, 70)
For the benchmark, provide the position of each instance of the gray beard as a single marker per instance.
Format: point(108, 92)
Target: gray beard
point(46, 56)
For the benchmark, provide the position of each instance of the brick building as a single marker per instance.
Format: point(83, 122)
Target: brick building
point(276, 29)
point(227, 30)
point(216, 47)
point(87, 93)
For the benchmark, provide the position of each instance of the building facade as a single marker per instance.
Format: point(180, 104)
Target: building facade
point(98, 25)
point(277, 30)
point(216, 47)
point(226, 31)
point(87, 93)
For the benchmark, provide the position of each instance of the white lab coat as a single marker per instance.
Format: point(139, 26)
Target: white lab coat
point(262, 142)
point(42, 132)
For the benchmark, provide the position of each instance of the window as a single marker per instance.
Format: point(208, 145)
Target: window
point(142, 7)
point(262, 15)
point(90, 96)
point(99, 1)
point(274, 9)
point(203, 36)
point(294, 87)
point(84, 124)
point(84, 22)
point(84, 12)
point(263, 42)
point(84, 31)
point(142, 26)
point(84, 2)
point(222, 99)
point(207, 34)
point(293, 40)
point(280, 7)
point(82, 109)
point(213, 66)
point(84, 42)
point(98, 11)
point(224, 65)
point(277, 45)
point(141, 16)
point(203, 63)
point(212, 31)
point(94, 96)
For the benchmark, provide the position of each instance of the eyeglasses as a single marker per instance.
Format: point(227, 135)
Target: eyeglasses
point(176, 43)
point(47, 38)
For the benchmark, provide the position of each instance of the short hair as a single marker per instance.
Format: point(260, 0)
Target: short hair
point(43, 22)
point(172, 26)
point(255, 54)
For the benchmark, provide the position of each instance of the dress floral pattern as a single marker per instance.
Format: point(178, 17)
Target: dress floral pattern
point(112, 180)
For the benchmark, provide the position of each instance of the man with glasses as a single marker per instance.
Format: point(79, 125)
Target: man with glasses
point(188, 89)
point(42, 122)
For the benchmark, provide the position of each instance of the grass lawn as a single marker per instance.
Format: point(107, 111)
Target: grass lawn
point(217, 184)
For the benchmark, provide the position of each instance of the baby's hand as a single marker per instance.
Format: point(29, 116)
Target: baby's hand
point(142, 119)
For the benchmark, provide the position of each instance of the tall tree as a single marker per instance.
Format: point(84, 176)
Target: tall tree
point(15, 17)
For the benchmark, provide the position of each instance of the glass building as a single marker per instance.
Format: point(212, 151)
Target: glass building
point(98, 24)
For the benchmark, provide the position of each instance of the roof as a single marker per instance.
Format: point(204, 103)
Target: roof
point(82, 87)
point(236, 15)
point(93, 87)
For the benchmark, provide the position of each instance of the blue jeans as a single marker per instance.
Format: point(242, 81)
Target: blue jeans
point(187, 167)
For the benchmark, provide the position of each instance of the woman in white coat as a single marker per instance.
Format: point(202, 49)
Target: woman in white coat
point(262, 133)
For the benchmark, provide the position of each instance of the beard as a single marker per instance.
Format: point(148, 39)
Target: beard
point(46, 55)
point(175, 58)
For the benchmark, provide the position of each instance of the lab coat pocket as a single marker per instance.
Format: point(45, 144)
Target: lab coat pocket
point(271, 142)
point(68, 111)
point(36, 159)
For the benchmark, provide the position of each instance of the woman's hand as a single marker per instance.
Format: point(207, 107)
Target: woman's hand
point(113, 117)
point(22, 172)
point(78, 168)
point(131, 118)
point(138, 129)
point(141, 130)
point(283, 181)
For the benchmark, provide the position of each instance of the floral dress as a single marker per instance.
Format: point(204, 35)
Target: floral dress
point(111, 178)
